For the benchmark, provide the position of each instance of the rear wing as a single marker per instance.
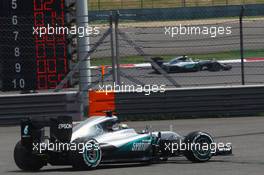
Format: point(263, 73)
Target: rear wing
point(159, 61)
point(32, 130)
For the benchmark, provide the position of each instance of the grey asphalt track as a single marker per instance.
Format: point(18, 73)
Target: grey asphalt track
point(254, 74)
point(153, 40)
point(246, 135)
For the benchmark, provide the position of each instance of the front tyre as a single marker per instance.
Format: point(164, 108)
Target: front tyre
point(215, 67)
point(25, 160)
point(200, 146)
point(89, 157)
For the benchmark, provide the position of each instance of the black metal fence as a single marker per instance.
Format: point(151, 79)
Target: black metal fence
point(236, 41)
point(128, 45)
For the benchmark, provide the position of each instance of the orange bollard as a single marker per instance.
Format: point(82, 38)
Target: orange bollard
point(102, 72)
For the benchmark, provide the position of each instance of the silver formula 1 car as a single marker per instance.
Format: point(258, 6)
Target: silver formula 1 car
point(102, 139)
point(186, 64)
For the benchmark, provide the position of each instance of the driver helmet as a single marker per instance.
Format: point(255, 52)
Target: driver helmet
point(123, 126)
point(119, 126)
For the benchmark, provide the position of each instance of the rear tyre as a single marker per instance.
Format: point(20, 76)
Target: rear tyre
point(89, 157)
point(226, 67)
point(25, 160)
point(167, 69)
point(198, 153)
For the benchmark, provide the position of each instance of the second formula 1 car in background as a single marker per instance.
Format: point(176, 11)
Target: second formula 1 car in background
point(186, 64)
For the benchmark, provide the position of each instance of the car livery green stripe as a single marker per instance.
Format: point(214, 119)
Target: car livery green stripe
point(129, 146)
